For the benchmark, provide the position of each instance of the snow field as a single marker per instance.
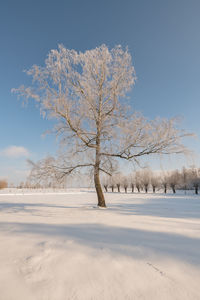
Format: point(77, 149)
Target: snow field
point(61, 246)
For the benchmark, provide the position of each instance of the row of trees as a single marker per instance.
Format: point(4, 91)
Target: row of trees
point(35, 184)
point(142, 180)
point(146, 180)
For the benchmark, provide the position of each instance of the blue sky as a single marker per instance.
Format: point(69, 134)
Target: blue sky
point(162, 36)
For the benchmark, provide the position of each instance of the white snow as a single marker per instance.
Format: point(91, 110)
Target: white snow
point(61, 246)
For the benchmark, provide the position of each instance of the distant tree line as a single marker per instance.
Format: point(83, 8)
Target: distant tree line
point(30, 184)
point(144, 180)
point(147, 180)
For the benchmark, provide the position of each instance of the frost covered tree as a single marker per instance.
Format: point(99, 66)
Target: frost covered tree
point(43, 173)
point(155, 181)
point(105, 183)
point(132, 182)
point(125, 183)
point(184, 178)
point(112, 183)
point(138, 180)
point(194, 175)
point(174, 179)
point(145, 176)
point(164, 181)
point(85, 94)
point(118, 180)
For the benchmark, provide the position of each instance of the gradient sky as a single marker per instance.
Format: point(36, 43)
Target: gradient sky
point(163, 38)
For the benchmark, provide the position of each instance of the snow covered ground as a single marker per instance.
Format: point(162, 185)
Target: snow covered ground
point(61, 246)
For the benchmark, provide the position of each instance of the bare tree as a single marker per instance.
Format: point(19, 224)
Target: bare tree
point(44, 174)
point(164, 182)
point(125, 183)
point(112, 183)
point(21, 185)
point(184, 178)
point(118, 186)
point(118, 180)
point(132, 182)
point(138, 180)
point(154, 182)
point(145, 176)
point(105, 183)
point(195, 178)
point(85, 93)
point(174, 180)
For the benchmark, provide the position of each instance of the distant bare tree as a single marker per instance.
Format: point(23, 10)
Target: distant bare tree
point(195, 178)
point(44, 174)
point(112, 183)
point(164, 182)
point(154, 182)
point(145, 176)
point(84, 93)
point(138, 180)
point(118, 186)
point(21, 185)
point(105, 183)
point(118, 180)
point(106, 187)
point(174, 180)
point(132, 182)
point(185, 178)
point(125, 183)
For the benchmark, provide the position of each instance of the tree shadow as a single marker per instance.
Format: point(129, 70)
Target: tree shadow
point(167, 207)
point(159, 205)
point(28, 207)
point(135, 243)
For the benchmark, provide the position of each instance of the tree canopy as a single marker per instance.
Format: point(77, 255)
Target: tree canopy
point(86, 94)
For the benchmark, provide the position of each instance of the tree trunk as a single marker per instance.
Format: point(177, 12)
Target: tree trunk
point(196, 190)
point(132, 186)
point(165, 190)
point(118, 188)
point(154, 189)
point(173, 187)
point(100, 195)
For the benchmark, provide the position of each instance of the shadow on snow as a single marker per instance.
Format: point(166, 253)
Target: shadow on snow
point(124, 241)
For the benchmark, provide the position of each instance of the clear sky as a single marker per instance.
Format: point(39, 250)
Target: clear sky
point(163, 38)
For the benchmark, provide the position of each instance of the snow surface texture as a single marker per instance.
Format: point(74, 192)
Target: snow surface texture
point(61, 246)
